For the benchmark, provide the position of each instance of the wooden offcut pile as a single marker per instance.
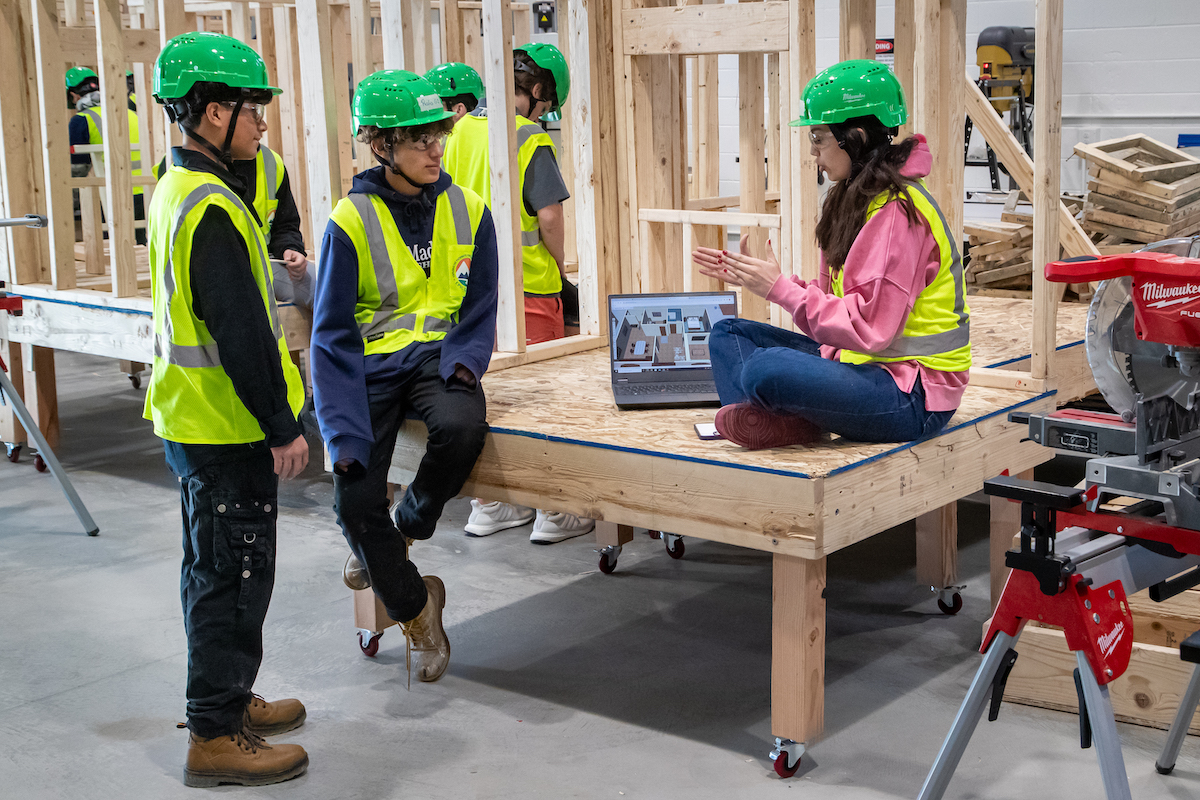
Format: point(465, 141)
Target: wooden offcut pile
point(1000, 254)
point(1139, 191)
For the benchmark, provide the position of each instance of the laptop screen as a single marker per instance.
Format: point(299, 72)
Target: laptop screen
point(665, 335)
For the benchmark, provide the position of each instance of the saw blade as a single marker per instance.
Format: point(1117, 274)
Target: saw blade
point(1123, 365)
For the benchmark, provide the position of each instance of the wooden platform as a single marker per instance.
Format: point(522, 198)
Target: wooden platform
point(559, 442)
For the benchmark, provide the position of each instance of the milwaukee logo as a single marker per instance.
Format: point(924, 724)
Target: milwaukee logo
point(1169, 295)
point(848, 97)
point(1108, 641)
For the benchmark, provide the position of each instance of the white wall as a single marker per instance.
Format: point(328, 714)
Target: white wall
point(1128, 67)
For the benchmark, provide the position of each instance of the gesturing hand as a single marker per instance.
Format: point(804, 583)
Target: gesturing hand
point(740, 269)
point(296, 264)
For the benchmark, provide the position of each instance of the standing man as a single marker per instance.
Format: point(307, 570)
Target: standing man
point(404, 324)
point(224, 398)
point(87, 127)
point(459, 86)
point(541, 82)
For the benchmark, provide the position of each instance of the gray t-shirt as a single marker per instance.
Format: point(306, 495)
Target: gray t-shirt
point(544, 185)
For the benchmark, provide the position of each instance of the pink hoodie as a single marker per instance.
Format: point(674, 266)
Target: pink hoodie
point(888, 266)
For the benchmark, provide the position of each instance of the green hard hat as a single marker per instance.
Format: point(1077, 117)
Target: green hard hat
point(549, 57)
point(851, 89)
point(396, 98)
point(77, 75)
point(452, 79)
point(191, 58)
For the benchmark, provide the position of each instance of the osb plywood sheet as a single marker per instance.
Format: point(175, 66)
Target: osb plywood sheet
point(570, 398)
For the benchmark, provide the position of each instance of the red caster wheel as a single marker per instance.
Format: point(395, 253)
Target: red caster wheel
point(781, 767)
point(675, 548)
point(39, 463)
point(608, 559)
point(370, 646)
point(785, 750)
point(955, 605)
point(654, 534)
point(13, 452)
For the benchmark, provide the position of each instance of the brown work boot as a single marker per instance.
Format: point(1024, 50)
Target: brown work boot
point(269, 718)
point(426, 636)
point(354, 574)
point(242, 758)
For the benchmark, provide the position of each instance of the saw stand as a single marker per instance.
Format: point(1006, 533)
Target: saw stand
point(1078, 563)
point(8, 392)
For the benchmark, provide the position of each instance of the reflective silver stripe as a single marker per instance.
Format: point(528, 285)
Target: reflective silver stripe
point(531, 238)
point(189, 204)
point(183, 355)
point(527, 132)
point(381, 260)
point(436, 324)
point(270, 173)
point(406, 322)
point(458, 210)
point(136, 163)
point(946, 341)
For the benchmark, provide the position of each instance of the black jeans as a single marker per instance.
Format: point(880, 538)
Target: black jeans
point(456, 416)
point(229, 495)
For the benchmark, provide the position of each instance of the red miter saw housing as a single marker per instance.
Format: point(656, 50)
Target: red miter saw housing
point(1165, 291)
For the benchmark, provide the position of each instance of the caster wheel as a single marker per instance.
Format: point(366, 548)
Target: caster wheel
point(781, 766)
point(136, 380)
point(677, 550)
point(607, 566)
point(39, 463)
point(370, 647)
point(14, 452)
point(955, 606)
point(654, 534)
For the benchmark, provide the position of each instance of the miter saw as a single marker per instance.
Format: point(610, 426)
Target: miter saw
point(1135, 524)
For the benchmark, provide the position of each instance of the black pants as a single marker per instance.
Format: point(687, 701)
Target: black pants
point(456, 416)
point(229, 496)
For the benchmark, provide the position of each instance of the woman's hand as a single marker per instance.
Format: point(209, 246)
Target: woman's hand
point(740, 269)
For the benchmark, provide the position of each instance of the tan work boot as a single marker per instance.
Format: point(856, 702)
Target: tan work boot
point(270, 718)
point(242, 758)
point(426, 636)
point(354, 574)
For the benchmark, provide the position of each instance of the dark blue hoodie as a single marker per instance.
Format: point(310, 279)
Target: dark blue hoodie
point(343, 378)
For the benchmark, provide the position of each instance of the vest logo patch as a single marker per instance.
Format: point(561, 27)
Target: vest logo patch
point(462, 270)
point(429, 102)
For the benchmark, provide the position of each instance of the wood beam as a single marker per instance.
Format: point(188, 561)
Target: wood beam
point(320, 101)
point(1047, 143)
point(118, 189)
point(502, 160)
point(856, 29)
point(797, 647)
point(692, 30)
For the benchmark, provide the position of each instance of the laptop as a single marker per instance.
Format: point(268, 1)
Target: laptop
point(659, 347)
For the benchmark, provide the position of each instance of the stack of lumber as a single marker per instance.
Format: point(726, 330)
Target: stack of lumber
point(1000, 254)
point(1139, 191)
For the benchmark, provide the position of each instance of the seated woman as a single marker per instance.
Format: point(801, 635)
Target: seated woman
point(884, 349)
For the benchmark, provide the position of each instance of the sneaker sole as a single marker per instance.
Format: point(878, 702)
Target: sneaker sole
point(479, 531)
point(282, 727)
point(554, 538)
point(207, 780)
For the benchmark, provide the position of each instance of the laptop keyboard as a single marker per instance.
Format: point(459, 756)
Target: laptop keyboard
point(649, 389)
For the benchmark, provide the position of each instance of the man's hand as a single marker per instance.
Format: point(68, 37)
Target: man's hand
point(740, 269)
point(290, 459)
point(296, 263)
point(463, 374)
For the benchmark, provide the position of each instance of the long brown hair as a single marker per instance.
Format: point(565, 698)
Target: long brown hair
point(875, 165)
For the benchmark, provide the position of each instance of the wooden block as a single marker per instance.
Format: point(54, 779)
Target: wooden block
point(1147, 694)
point(797, 647)
point(1025, 268)
point(611, 534)
point(1125, 233)
point(369, 613)
point(1160, 189)
point(937, 547)
point(1140, 159)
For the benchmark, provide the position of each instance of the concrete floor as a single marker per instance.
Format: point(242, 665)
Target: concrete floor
point(653, 682)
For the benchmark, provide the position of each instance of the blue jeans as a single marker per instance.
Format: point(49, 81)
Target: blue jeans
point(783, 372)
point(229, 500)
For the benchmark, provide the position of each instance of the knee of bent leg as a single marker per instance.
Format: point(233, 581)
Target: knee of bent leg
point(466, 432)
point(722, 327)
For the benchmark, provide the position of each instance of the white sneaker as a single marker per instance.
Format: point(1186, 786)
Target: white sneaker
point(488, 518)
point(555, 526)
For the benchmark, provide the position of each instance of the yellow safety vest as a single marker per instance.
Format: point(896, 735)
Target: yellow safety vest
point(397, 304)
point(937, 332)
point(191, 398)
point(93, 116)
point(268, 180)
point(466, 159)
